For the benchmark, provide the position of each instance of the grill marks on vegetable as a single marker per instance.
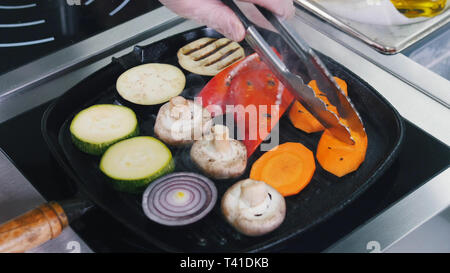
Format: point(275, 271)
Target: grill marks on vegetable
point(210, 52)
point(230, 62)
point(206, 53)
point(271, 83)
point(216, 50)
point(191, 50)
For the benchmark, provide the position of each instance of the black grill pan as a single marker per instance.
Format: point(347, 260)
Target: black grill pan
point(322, 198)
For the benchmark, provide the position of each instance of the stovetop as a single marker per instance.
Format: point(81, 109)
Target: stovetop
point(33, 29)
point(421, 158)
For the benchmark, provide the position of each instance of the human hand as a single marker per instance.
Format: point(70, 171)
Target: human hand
point(217, 15)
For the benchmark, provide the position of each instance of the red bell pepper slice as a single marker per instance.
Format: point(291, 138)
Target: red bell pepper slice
point(252, 92)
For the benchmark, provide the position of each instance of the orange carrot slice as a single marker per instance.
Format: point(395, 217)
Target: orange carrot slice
point(340, 158)
point(302, 119)
point(288, 168)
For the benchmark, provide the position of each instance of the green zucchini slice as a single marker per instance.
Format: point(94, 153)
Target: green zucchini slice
point(133, 163)
point(96, 128)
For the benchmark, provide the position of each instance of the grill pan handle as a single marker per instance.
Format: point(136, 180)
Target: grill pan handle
point(39, 225)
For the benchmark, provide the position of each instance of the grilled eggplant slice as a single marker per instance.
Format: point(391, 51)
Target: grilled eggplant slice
point(209, 56)
point(151, 84)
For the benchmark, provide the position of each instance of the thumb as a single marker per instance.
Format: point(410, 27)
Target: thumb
point(212, 13)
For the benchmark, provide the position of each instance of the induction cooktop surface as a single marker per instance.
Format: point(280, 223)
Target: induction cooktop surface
point(31, 29)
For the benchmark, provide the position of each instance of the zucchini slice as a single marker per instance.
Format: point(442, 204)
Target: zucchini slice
point(96, 128)
point(133, 163)
point(151, 84)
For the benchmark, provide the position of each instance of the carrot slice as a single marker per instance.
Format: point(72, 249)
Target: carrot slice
point(340, 158)
point(302, 119)
point(288, 168)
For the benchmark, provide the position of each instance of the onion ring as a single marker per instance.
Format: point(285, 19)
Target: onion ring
point(179, 199)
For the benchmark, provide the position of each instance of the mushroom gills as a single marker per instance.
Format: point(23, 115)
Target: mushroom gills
point(253, 207)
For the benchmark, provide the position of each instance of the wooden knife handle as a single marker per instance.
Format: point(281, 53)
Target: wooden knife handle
point(33, 228)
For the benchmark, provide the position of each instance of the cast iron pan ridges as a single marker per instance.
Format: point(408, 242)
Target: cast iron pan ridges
point(322, 198)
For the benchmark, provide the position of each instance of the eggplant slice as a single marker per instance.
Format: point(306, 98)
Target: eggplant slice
point(209, 56)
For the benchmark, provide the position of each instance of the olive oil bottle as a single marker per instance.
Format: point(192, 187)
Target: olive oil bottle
point(419, 8)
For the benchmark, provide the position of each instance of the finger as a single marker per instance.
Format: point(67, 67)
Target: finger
point(283, 8)
point(218, 16)
point(254, 15)
point(212, 13)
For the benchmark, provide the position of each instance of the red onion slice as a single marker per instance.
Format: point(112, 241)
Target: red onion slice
point(179, 198)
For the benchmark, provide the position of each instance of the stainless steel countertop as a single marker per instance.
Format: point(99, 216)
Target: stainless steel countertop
point(395, 223)
point(386, 39)
point(428, 82)
point(415, 106)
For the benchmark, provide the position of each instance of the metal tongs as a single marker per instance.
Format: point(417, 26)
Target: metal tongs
point(294, 83)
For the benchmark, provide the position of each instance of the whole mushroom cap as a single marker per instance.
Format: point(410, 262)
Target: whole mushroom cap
point(218, 156)
point(253, 207)
point(181, 121)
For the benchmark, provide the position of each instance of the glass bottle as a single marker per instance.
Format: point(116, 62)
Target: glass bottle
point(419, 8)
